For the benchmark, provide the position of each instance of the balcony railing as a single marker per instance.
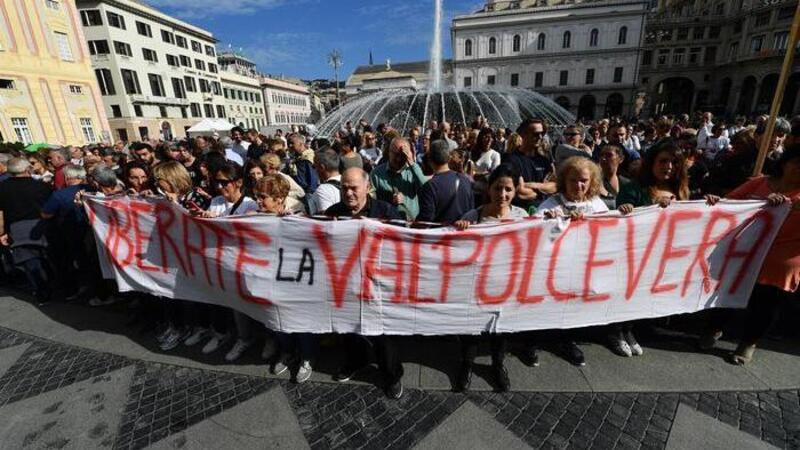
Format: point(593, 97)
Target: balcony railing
point(149, 99)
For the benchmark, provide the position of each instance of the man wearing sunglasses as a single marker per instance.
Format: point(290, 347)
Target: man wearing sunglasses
point(535, 164)
point(572, 145)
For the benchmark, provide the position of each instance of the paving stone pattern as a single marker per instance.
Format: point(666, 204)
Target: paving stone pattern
point(163, 400)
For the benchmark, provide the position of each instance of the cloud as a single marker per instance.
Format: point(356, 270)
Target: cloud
point(199, 9)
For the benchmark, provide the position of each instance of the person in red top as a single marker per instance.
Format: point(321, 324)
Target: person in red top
point(59, 158)
point(779, 278)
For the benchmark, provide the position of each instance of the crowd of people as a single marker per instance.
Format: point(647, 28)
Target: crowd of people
point(441, 175)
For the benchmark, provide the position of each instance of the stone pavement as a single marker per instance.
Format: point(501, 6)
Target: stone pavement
point(75, 377)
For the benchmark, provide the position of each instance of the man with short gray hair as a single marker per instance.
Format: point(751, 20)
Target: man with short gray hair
point(59, 158)
point(326, 162)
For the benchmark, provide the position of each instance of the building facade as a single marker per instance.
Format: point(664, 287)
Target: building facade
point(158, 76)
point(724, 56)
point(585, 55)
point(286, 103)
point(241, 89)
point(48, 91)
point(378, 77)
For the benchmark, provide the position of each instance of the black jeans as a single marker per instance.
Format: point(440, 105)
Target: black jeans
point(762, 310)
point(498, 345)
point(386, 355)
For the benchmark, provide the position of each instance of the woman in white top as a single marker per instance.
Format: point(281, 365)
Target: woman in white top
point(502, 184)
point(486, 158)
point(229, 181)
point(369, 149)
point(579, 184)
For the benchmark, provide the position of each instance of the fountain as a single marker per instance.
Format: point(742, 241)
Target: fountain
point(403, 109)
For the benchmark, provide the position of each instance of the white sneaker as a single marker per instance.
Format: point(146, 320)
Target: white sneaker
point(636, 349)
point(303, 372)
point(164, 333)
point(172, 340)
point(620, 347)
point(269, 349)
point(238, 348)
point(278, 367)
point(198, 334)
point(213, 344)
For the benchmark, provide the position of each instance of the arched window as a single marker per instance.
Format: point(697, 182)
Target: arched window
point(593, 36)
point(540, 41)
point(567, 40)
point(623, 36)
point(492, 46)
point(517, 43)
point(468, 47)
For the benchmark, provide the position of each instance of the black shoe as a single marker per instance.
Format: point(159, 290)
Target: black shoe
point(573, 354)
point(395, 390)
point(529, 357)
point(464, 378)
point(501, 378)
point(345, 374)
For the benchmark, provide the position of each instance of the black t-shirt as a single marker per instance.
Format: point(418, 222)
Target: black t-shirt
point(194, 172)
point(22, 198)
point(445, 198)
point(374, 209)
point(534, 169)
point(256, 151)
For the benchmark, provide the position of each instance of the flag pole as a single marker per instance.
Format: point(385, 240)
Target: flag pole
point(788, 61)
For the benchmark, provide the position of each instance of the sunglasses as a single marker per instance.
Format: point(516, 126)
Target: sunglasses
point(536, 133)
point(223, 183)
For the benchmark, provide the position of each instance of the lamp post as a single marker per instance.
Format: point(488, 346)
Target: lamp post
point(335, 61)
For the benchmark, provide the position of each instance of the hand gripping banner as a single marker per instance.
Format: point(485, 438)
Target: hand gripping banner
point(362, 276)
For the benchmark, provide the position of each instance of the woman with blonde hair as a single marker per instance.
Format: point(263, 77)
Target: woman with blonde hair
point(272, 163)
point(513, 144)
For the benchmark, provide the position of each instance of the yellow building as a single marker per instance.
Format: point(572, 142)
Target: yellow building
point(48, 90)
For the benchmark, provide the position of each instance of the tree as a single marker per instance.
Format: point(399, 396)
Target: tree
point(335, 61)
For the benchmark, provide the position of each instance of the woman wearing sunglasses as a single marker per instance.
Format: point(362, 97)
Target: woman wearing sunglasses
point(228, 182)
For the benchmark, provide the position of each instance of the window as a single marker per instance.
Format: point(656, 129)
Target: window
point(694, 54)
point(215, 86)
point(781, 39)
point(105, 81)
point(468, 47)
point(195, 109)
point(490, 80)
point(517, 43)
point(186, 61)
point(733, 51)
point(137, 111)
point(123, 134)
point(167, 37)
point(467, 82)
point(88, 130)
point(713, 32)
point(258, 98)
point(618, 74)
point(212, 67)
point(20, 125)
point(205, 87)
point(52, 4)
point(173, 61)
point(720, 9)
point(5, 83)
point(589, 76)
point(538, 79)
point(99, 47)
point(162, 111)
point(593, 37)
point(683, 34)
point(131, 82)
point(115, 20)
point(210, 51)
point(698, 33)
point(756, 44)
point(75, 89)
point(156, 85)
point(677, 55)
point(199, 64)
point(566, 41)
point(180, 41)
point(64, 49)
point(737, 26)
point(91, 18)
point(541, 41)
point(786, 12)
point(209, 110)
point(647, 57)
point(178, 88)
point(763, 19)
point(563, 78)
point(623, 36)
point(190, 85)
point(144, 29)
point(184, 114)
point(123, 49)
point(711, 54)
point(514, 79)
point(149, 55)
point(663, 55)
point(221, 111)
point(197, 47)
point(143, 133)
point(116, 111)
point(492, 46)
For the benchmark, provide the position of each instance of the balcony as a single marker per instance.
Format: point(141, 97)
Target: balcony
point(150, 100)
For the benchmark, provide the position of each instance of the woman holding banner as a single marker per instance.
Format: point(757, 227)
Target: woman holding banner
point(502, 186)
point(779, 279)
point(663, 179)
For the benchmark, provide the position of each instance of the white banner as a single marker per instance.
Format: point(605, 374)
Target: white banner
point(363, 276)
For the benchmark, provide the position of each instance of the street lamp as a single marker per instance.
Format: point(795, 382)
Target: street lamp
point(335, 61)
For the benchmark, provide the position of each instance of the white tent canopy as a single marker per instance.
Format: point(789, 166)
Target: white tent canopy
point(207, 127)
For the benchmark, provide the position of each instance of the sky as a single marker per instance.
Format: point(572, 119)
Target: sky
point(294, 37)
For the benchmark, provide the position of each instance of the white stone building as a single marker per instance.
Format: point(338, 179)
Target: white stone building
point(378, 77)
point(158, 75)
point(286, 103)
point(242, 91)
point(585, 55)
